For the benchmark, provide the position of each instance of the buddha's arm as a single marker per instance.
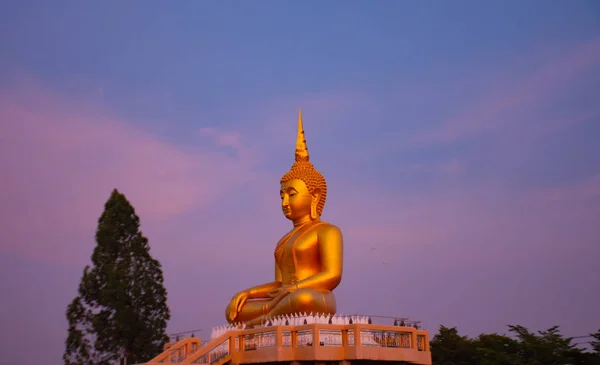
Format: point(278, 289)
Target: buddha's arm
point(331, 250)
point(262, 291)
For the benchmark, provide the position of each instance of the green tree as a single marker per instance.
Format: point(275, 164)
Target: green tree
point(121, 308)
point(449, 348)
point(495, 349)
point(547, 347)
point(595, 343)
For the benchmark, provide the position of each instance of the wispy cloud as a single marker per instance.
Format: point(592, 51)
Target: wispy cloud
point(62, 159)
point(534, 91)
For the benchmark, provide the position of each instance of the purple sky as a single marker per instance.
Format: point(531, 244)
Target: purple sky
point(459, 139)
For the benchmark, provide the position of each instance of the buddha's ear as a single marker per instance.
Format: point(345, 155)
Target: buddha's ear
point(316, 195)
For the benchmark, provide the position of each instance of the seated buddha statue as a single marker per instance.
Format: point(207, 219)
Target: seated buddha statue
point(308, 259)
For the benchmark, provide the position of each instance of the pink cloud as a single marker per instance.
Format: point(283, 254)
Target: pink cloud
point(533, 90)
point(222, 138)
point(62, 158)
point(586, 190)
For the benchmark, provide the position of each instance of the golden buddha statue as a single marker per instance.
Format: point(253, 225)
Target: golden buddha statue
point(308, 259)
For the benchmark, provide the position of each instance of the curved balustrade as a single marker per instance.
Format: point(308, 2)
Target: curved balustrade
point(385, 338)
point(275, 342)
point(286, 339)
point(261, 340)
point(330, 337)
point(305, 338)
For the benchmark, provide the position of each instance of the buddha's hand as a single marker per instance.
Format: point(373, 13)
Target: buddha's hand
point(237, 302)
point(282, 291)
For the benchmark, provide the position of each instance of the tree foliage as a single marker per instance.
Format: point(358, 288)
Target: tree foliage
point(521, 347)
point(595, 343)
point(121, 308)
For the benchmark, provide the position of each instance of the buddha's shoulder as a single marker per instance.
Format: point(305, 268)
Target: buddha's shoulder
point(328, 228)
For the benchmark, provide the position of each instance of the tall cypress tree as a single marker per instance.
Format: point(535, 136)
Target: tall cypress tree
point(121, 310)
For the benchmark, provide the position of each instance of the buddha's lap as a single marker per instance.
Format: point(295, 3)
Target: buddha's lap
point(312, 297)
point(301, 300)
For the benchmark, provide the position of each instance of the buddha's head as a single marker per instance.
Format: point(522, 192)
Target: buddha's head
point(303, 188)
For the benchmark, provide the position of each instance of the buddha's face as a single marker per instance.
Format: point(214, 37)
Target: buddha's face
point(296, 199)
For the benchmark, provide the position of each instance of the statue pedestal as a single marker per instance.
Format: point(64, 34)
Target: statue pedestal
point(315, 343)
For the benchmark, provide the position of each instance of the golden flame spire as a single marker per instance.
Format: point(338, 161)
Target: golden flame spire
point(301, 149)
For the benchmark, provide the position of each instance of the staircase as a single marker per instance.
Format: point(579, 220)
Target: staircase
point(217, 351)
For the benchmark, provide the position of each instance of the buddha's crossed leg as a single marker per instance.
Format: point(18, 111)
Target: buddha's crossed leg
point(255, 312)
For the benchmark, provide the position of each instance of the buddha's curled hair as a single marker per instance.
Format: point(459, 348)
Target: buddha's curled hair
point(305, 171)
